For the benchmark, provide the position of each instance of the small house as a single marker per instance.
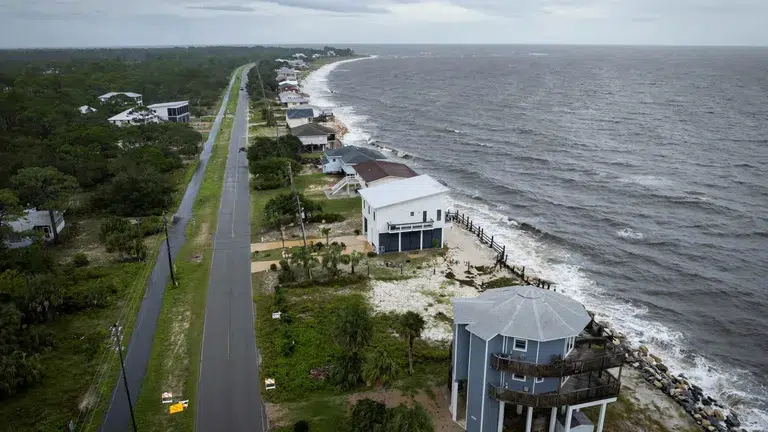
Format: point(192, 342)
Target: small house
point(405, 215)
point(291, 99)
point(131, 95)
point(343, 159)
point(377, 172)
point(518, 358)
point(34, 220)
point(177, 112)
point(135, 116)
point(288, 87)
point(315, 137)
point(85, 109)
point(298, 116)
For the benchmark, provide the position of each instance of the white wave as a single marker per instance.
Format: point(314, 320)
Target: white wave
point(554, 264)
point(628, 233)
point(316, 84)
point(538, 54)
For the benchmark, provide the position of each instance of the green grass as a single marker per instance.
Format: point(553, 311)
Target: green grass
point(323, 414)
point(174, 362)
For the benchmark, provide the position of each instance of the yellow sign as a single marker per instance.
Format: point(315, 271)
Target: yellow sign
point(176, 408)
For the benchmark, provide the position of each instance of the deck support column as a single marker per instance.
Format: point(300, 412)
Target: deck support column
point(400, 242)
point(601, 420)
point(519, 409)
point(568, 416)
point(552, 419)
point(421, 240)
point(454, 399)
point(501, 416)
point(529, 419)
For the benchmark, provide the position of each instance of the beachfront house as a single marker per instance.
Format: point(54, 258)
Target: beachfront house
point(136, 97)
point(34, 221)
point(405, 215)
point(177, 112)
point(286, 74)
point(377, 172)
point(342, 160)
point(315, 137)
point(298, 116)
point(519, 363)
point(135, 116)
point(286, 86)
point(291, 99)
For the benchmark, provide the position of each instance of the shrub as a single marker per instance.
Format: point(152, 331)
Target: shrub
point(450, 275)
point(284, 265)
point(80, 260)
point(273, 267)
point(326, 218)
point(343, 245)
point(357, 232)
point(371, 254)
point(345, 259)
point(285, 276)
point(319, 246)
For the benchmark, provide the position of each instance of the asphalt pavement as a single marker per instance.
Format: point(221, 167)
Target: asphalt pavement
point(229, 391)
point(118, 417)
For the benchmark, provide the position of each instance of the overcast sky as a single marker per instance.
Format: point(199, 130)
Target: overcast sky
point(81, 23)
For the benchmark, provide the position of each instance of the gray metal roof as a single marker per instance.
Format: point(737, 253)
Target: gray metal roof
point(524, 312)
point(401, 191)
point(311, 129)
point(299, 112)
point(354, 154)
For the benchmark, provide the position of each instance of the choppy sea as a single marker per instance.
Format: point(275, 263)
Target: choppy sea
point(636, 178)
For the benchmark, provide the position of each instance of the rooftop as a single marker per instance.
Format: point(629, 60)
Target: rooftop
point(373, 170)
point(526, 312)
point(132, 114)
point(354, 155)
point(168, 104)
point(110, 94)
point(299, 112)
point(402, 190)
point(311, 129)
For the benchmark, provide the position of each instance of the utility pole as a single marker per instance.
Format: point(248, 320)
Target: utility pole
point(298, 205)
point(168, 247)
point(116, 332)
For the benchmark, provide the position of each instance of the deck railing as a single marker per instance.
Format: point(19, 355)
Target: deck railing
point(571, 365)
point(402, 227)
point(549, 400)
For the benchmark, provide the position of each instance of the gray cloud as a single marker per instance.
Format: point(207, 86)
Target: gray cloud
point(343, 6)
point(225, 8)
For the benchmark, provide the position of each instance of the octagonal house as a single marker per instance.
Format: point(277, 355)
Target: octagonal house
point(524, 347)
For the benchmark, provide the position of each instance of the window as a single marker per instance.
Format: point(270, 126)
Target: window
point(411, 213)
point(520, 345)
point(439, 214)
point(539, 380)
point(374, 215)
point(424, 216)
point(369, 209)
point(517, 377)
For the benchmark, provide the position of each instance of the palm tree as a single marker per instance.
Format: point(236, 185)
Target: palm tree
point(380, 369)
point(411, 324)
point(354, 259)
point(325, 232)
point(353, 327)
point(416, 419)
point(304, 257)
point(331, 258)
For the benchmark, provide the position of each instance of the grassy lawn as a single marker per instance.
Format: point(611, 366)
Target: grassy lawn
point(174, 361)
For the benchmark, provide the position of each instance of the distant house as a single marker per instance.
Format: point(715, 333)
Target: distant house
point(85, 109)
point(286, 74)
point(299, 55)
point(343, 159)
point(331, 53)
point(316, 56)
point(315, 137)
point(177, 112)
point(135, 116)
point(405, 215)
point(377, 172)
point(518, 349)
point(288, 87)
point(298, 116)
point(297, 63)
point(291, 99)
point(34, 221)
point(135, 96)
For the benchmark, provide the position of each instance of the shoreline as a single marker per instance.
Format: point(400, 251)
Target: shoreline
point(651, 368)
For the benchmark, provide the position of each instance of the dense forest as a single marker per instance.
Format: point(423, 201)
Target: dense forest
point(53, 156)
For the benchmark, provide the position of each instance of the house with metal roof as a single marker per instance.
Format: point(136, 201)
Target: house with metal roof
point(177, 112)
point(291, 99)
point(315, 137)
point(521, 349)
point(299, 115)
point(405, 215)
point(343, 159)
point(137, 115)
point(376, 172)
point(131, 95)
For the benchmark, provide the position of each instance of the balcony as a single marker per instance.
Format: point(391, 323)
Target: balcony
point(415, 226)
point(578, 389)
point(582, 359)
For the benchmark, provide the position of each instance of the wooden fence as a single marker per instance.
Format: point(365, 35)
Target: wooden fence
point(468, 224)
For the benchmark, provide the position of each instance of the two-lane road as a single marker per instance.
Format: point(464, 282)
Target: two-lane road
point(228, 392)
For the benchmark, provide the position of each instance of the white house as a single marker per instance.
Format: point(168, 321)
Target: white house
point(85, 109)
point(34, 220)
point(331, 53)
point(405, 215)
point(291, 99)
point(315, 137)
point(378, 172)
point(286, 74)
point(135, 96)
point(177, 112)
point(298, 116)
point(316, 56)
point(300, 55)
point(135, 116)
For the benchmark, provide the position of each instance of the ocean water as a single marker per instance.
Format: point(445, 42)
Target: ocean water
point(634, 177)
